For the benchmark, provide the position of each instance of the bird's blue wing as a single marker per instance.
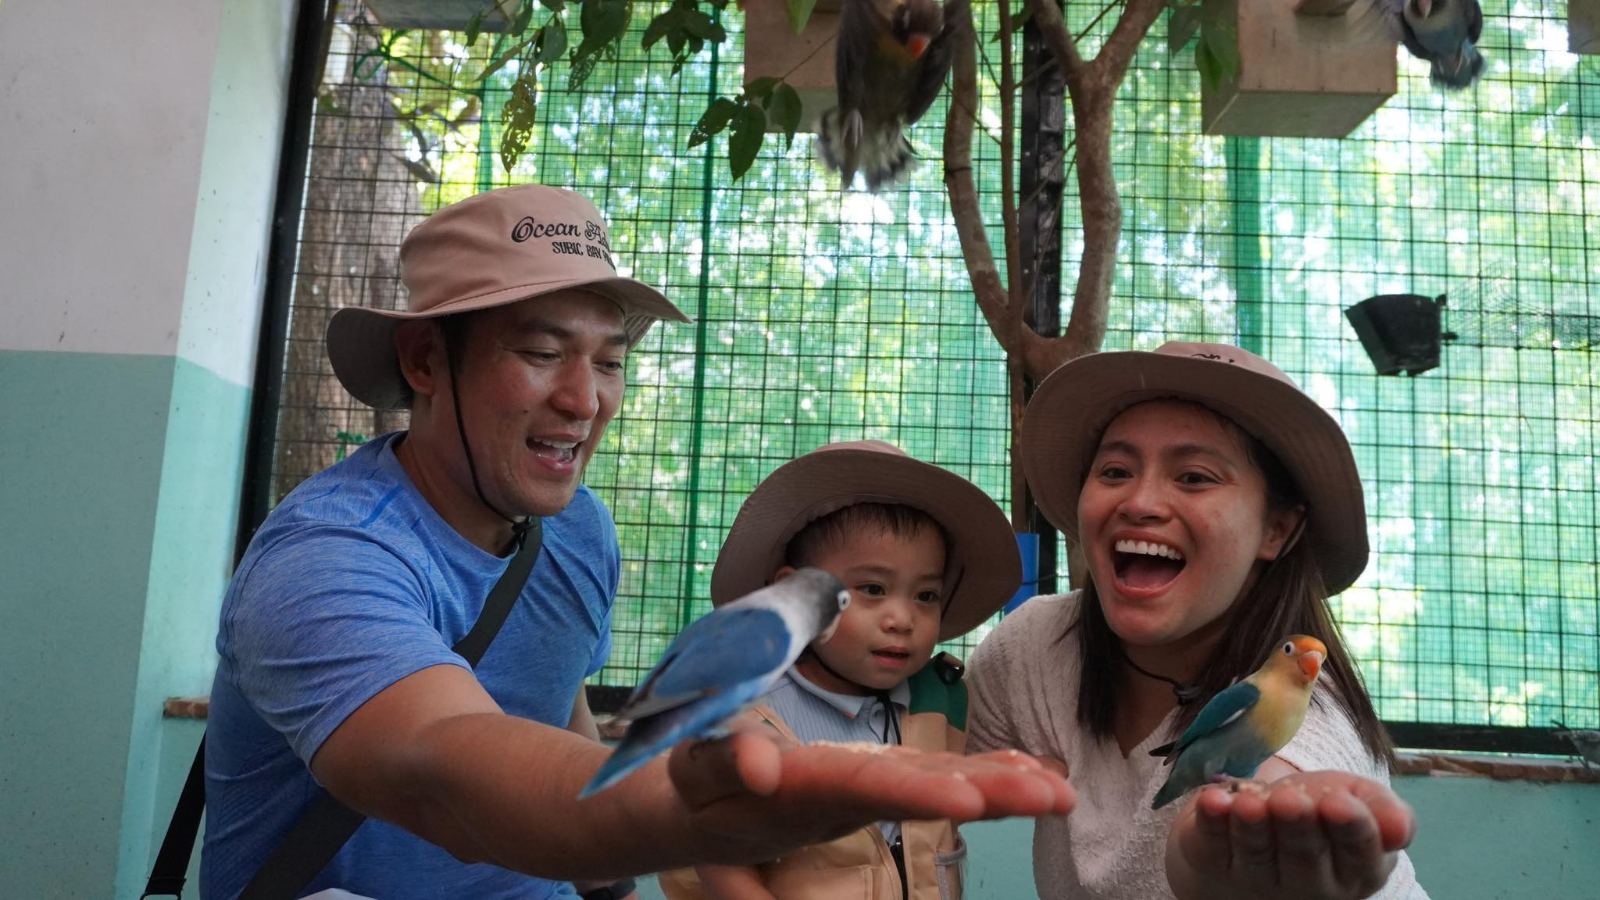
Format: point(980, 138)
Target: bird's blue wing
point(1233, 702)
point(726, 648)
point(649, 736)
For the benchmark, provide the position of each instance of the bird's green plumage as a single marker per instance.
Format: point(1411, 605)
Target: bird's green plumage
point(1239, 729)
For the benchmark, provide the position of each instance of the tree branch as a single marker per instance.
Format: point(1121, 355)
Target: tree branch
point(1053, 28)
point(1008, 172)
point(1112, 62)
point(959, 185)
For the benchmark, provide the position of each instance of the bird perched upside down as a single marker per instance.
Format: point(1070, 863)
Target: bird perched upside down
point(1243, 725)
point(891, 62)
point(1443, 33)
point(719, 664)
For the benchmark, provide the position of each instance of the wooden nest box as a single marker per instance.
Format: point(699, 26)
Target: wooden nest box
point(1312, 68)
point(448, 15)
point(1583, 26)
point(805, 60)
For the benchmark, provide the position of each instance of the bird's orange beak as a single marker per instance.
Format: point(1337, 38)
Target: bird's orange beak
point(1311, 664)
point(917, 44)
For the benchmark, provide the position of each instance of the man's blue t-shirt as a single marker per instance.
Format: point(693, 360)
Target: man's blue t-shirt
point(351, 584)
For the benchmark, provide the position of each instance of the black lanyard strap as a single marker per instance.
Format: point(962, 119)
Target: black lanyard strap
point(326, 825)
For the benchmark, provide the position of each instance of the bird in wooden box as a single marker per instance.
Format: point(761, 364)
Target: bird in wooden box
point(1443, 33)
point(892, 60)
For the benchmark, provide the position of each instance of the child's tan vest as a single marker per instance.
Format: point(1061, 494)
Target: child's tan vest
point(859, 865)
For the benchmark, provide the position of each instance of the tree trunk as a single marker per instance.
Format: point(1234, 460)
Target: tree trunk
point(360, 199)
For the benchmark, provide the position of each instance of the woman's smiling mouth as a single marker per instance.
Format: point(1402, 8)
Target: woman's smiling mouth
point(1145, 565)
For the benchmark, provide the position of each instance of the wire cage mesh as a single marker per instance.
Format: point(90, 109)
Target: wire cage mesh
point(824, 315)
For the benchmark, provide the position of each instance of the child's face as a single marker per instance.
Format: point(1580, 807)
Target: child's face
point(887, 632)
point(1174, 521)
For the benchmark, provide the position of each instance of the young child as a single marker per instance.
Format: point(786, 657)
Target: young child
point(1217, 507)
point(927, 557)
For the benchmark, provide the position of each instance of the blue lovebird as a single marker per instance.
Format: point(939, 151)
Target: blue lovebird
point(1443, 33)
point(719, 664)
point(1246, 723)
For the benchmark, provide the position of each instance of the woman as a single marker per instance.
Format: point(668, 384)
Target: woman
point(1217, 508)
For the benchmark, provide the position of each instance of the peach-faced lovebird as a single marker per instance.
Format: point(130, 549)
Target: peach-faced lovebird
point(720, 663)
point(1443, 33)
point(1246, 723)
point(891, 61)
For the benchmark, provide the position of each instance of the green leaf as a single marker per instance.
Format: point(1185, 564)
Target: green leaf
point(552, 41)
point(714, 119)
point(554, 6)
point(800, 14)
point(603, 23)
point(514, 53)
point(660, 27)
point(1181, 27)
point(1223, 40)
point(519, 24)
point(749, 130)
point(582, 68)
point(703, 26)
point(783, 110)
point(761, 87)
point(516, 118)
point(474, 27)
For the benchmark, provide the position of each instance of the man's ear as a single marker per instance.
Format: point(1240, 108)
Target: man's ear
point(419, 348)
point(1284, 529)
point(782, 573)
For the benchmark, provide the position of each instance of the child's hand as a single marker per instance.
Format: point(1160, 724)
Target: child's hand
point(1306, 836)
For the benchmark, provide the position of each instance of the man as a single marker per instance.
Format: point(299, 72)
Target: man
point(335, 640)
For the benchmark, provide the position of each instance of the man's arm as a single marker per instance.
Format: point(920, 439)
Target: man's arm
point(434, 754)
point(582, 723)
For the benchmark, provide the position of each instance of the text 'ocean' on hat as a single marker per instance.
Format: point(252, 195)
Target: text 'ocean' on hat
point(491, 249)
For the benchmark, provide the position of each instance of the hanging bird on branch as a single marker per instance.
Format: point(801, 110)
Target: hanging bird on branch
point(1443, 33)
point(893, 57)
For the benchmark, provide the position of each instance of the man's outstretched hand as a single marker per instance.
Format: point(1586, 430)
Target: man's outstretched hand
point(763, 796)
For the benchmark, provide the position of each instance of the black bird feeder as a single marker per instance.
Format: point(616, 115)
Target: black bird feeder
point(1400, 332)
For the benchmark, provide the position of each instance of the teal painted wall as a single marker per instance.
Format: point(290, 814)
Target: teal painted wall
point(135, 278)
point(1478, 840)
point(115, 540)
point(82, 446)
point(1506, 840)
point(192, 557)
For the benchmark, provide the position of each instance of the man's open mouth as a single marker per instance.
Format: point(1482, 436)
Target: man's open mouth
point(554, 450)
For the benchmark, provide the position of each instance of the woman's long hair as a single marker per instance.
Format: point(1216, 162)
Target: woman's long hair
point(1290, 597)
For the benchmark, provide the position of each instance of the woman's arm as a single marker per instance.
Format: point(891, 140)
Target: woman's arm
point(733, 883)
point(1302, 835)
